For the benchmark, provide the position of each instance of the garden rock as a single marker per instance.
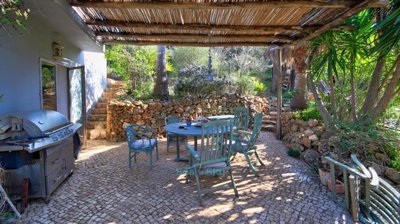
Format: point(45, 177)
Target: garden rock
point(305, 141)
point(311, 156)
point(380, 170)
point(393, 175)
point(308, 132)
point(313, 138)
point(381, 157)
point(312, 122)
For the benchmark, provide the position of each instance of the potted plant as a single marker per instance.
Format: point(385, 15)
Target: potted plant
point(339, 186)
point(323, 175)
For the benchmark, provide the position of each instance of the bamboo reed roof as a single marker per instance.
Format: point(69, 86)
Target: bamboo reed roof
point(214, 22)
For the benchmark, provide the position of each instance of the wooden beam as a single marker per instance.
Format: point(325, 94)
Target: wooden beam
point(215, 5)
point(352, 11)
point(199, 37)
point(278, 63)
point(190, 44)
point(203, 27)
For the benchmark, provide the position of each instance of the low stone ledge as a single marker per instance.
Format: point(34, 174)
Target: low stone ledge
point(153, 113)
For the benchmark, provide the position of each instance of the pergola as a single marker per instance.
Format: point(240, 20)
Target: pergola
point(212, 23)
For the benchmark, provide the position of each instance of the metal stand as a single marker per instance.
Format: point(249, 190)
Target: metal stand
point(6, 213)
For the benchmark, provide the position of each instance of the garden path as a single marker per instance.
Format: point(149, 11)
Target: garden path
point(102, 189)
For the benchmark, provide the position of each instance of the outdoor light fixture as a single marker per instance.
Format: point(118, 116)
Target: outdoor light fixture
point(57, 51)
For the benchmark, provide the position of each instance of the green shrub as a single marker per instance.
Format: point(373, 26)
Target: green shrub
point(366, 141)
point(197, 80)
point(391, 146)
point(260, 88)
point(245, 85)
point(310, 113)
point(288, 95)
point(293, 153)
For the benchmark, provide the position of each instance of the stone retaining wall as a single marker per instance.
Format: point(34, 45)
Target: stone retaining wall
point(153, 113)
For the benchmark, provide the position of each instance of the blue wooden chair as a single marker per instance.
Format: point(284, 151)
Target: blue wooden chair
point(241, 121)
point(242, 118)
point(170, 136)
point(245, 143)
point(213, 157)
point(141, 139)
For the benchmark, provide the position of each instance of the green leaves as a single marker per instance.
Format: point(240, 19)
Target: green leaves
point(350, 55)
point(135, 65)
point(389, 32)
point(12, 13)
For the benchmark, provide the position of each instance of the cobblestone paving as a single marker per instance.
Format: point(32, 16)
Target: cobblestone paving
point(104, 190)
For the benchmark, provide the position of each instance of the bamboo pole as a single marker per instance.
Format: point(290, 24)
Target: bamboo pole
point(215, 5)
point(347, 13)
point(198, 37)
point(204, 27)
point(189, 43)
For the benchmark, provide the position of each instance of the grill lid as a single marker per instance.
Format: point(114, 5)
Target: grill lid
point(31, 123)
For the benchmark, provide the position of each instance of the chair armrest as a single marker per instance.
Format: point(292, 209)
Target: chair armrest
point(193, 152)
point(148, 131)
point(151, 132)
point(244, 132)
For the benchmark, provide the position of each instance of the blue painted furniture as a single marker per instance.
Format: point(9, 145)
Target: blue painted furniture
point(192, 131)
point(213, 156)
point(245, 143)
point(242, 118)
point(171, 136)
point(221, 117)
point(141, 139)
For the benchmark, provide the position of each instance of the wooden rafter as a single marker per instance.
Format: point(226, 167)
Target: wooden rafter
point(214, 32)
point(352, 11)
point(203, 27)
point(199, 37)
point(190, 43)
point(216, 5)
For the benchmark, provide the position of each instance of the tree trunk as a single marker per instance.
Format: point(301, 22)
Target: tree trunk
point(332, 92)
point(373, 89)
point(326, 117)
point(274, 80)
point(390, 92)
point(353, 91)
point(161, 82)
point(299, 100)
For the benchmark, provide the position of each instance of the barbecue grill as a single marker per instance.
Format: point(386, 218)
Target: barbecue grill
point(40, 146)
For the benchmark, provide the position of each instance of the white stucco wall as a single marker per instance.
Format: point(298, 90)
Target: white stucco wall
point(96, 76)
point(20, 55)
point(20, 66)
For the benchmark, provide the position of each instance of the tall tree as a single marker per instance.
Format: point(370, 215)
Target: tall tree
point(367, 58)
point(299, 100)
point(161, 82)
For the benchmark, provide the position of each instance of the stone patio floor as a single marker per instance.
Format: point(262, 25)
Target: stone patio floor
point(103, 189)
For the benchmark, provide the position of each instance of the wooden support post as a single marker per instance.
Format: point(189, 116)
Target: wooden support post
point(353, 198)
point(24, 194)
point(278, 58)
point(333, 181)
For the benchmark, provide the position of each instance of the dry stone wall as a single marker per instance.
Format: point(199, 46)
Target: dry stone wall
point(153, 113)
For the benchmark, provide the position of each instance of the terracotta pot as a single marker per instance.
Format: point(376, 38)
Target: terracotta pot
point(339, 186)
point(323, 176)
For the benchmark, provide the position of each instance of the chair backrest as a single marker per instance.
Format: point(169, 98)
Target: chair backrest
point(256, 128)
point(241, 118)
point(172, 119)
point(135, 132)
point(216, 141)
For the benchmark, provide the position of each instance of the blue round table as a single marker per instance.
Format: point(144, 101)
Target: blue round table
point(193, 131)
point(221, 117)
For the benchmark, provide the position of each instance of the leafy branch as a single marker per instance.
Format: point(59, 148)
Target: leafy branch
point(13, 13)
